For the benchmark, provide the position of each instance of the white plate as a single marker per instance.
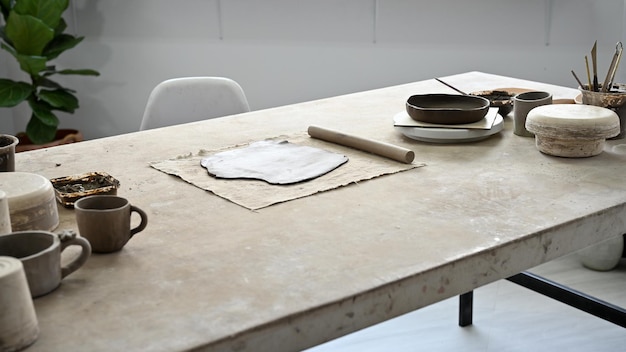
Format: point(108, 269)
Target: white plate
point(448, 135)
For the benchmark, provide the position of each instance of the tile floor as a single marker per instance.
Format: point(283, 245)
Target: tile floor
point(507, 317)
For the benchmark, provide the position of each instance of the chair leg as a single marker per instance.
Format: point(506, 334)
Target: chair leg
point(466, 303)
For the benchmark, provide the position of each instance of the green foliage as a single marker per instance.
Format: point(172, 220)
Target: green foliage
point(34, 35)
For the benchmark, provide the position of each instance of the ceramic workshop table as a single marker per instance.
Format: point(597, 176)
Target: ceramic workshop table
point(208, 274)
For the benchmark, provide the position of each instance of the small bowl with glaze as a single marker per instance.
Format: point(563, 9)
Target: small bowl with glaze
point(447, 109)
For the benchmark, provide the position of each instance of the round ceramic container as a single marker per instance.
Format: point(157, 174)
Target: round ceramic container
point(18, 321)
point(572, 130)
point(32, 205)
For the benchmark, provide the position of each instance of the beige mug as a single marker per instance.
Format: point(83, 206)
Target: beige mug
point(105, 221)
point(522, 104)
point(40, 253)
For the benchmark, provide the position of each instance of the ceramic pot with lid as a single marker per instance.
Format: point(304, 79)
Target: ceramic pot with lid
point(572, 130)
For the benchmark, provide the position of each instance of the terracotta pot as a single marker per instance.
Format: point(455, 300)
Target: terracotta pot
point(63, 136)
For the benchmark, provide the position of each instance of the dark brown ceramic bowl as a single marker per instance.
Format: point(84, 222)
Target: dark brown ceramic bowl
point(447, 109)
point(501, 99)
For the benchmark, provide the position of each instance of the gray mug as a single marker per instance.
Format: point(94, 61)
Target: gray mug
point(40, 253)
point(105, 221)
point(522, 104)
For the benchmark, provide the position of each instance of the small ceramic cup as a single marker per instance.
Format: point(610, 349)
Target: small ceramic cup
point(18, 322)
point(522, 104)
point(105, 221)
point(7, 152)
point(40, 253)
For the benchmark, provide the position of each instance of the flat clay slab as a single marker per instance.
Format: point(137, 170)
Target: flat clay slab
point(276, 162)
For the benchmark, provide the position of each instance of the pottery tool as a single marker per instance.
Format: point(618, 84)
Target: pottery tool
point(594, 64)
point(588, 74)
point(610, 75)
point(387, 150)
point(449, 86)
point(577, 80)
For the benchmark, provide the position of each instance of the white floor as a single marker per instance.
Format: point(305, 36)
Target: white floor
point(507, 317)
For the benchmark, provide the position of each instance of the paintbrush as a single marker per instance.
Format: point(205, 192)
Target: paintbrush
point(610, 76)
point(589, 87)
point(594, 63)
point(577, 80)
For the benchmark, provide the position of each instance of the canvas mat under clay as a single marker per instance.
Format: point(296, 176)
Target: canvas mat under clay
point(257, 194)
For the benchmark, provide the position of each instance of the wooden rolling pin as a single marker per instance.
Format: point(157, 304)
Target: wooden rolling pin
point(390, 151)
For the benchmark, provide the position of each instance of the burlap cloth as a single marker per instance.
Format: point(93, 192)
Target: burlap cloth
point(256, 194)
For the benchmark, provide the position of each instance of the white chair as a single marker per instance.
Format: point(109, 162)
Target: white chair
point(189, 99)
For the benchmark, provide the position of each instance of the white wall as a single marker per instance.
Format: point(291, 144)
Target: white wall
point(287, 51)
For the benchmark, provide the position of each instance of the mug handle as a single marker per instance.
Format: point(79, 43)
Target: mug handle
point(70, 238)
point(144, 220)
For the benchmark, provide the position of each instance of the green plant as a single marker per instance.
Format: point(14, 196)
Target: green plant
point(33, 33)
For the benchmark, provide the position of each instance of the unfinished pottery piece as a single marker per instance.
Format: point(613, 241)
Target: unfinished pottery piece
point(18, 321)
point(40, 253)
point(7, 152)
point(105, 221)
point(572, 130)
point(276, 162)
point(5, 218)
point(447, 109)
point(522, 104)
point(31, 201)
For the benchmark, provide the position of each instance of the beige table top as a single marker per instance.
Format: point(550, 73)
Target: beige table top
point(209, 274)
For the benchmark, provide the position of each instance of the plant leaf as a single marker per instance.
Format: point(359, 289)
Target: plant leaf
point(5, 7)
point(9, 48)
point(48, 11)
point(61, 27)
point(60, 44)
point(28, 34)
point(84, 72)
point(29, 64)
point(42, 111)
point(59, 99)
point(3, 35)
point(13, 93)
point(32, 64)
point(48, 83)
point(39, 132)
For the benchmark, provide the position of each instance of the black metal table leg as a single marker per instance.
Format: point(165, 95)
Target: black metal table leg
point(466, 303)
point(576, 299)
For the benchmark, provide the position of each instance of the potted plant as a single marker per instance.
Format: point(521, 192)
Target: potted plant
point(34, 34)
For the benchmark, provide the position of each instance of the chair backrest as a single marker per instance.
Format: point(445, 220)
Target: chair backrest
point(189, 99)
